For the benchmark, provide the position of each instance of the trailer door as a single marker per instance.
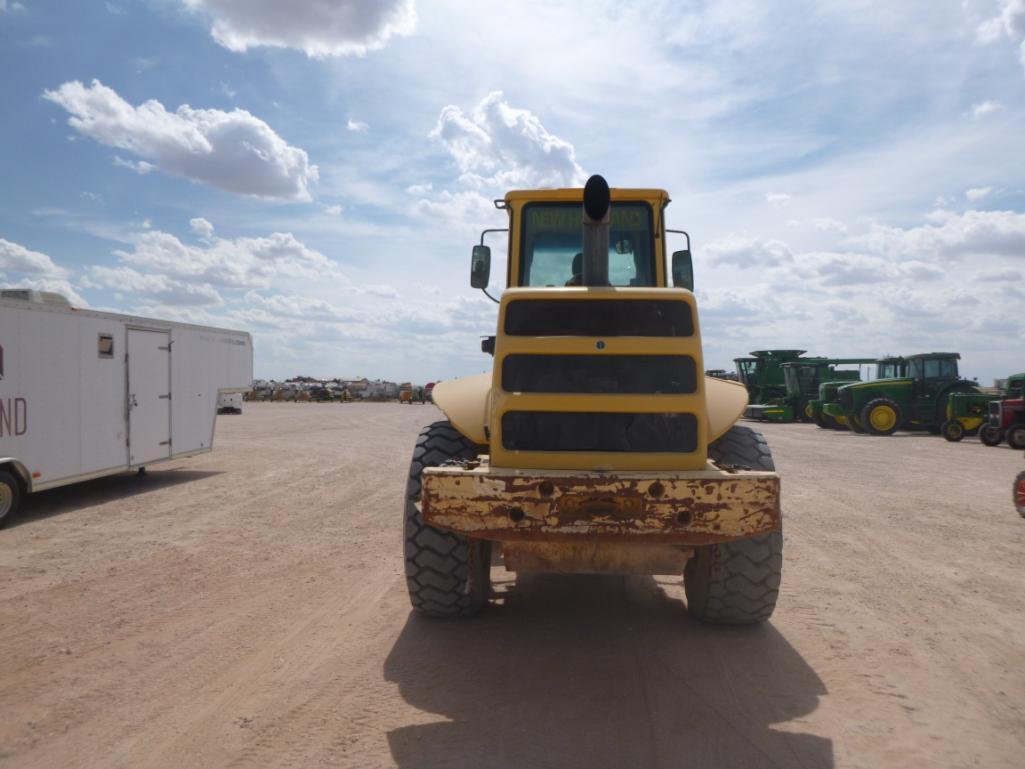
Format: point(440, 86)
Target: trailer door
point(149, 396)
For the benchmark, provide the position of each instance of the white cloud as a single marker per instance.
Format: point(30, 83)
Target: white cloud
point(240, 263)
point(777, 199)
point(233, 151)
point(201, 227)
point(160, 288)
point(987, 107)
point(738, 251)
point(977, 193)
point(467, 208)
point(498, 146)
point(1010, 23)
point(17, 258)
point(318, 28)
point(950, 236)
point(335, 210)
point(140, 167)
point(357, 126)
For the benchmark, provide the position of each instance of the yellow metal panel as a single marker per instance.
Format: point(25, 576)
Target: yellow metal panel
point(694, 403)
point(465, 403)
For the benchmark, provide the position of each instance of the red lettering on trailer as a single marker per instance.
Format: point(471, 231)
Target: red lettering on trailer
point(13, 417)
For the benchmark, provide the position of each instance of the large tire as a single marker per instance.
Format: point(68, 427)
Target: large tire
point(821, 420)
point(736, 583)
point(990, 435)
point(881, 416)
point(952, 430)
point(1019, 493)
point(1015, 437)
point(447, 575)
point(10, 496)
point(855, 425)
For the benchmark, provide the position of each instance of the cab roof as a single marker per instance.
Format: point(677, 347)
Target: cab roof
point(955, 355)
point(576, 194)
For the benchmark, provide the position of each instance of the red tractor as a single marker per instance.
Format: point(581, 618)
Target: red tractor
point(1006, 419)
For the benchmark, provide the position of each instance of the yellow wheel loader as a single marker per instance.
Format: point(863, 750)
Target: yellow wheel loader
point(596, 445)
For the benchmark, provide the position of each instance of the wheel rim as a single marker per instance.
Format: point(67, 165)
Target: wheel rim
point(6, 499)
point(954, 430)
point(1019, 493)
point(883, 418)
point(807, 411)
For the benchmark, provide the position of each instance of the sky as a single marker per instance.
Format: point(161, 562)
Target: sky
point(851, 173)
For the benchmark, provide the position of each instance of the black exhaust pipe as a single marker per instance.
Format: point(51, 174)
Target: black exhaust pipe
point(596, 232)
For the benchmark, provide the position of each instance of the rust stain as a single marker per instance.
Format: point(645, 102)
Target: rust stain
point(516, 505)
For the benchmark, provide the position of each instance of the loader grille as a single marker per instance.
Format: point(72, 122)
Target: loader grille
point(599, 374)
point(599, 318)
point(599, 432)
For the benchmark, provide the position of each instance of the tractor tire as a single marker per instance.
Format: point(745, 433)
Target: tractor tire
point(806, 415)
point(736, 583)
point(1019, 493)
point(990, 435)
point(10, 496)
point(1015, 437)
point(855, 426)
point(952, 430)
point(881, 416)
point(447, 575)
point(821, 420)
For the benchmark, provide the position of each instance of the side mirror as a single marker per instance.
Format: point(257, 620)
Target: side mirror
point(683, 270)
point(480, 267)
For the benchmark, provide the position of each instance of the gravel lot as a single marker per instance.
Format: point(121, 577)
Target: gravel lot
point(247, 608)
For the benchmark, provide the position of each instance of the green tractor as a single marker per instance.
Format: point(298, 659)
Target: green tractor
point(826, 411)
point(916, 400)
point(762, 373)
point(802, 379)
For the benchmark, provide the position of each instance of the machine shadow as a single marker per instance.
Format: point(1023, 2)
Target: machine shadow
point(75, 496)
point(593, 671)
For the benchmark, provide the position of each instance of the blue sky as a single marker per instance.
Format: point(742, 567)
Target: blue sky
point(852, 175)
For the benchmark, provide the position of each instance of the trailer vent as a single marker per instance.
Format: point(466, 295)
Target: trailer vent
point(36, 297)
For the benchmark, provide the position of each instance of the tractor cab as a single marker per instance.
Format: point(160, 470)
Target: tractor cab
point(762, 373)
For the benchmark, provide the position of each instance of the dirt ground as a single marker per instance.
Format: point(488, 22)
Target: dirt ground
point(247, 609)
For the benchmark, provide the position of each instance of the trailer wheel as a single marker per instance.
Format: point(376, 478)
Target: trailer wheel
point(952, 430)
point(736, 583)
point(1019, 493)
point(1015, 437)
point(881, 416)
point(10, 496)
point(990, 435)
point(447, 575)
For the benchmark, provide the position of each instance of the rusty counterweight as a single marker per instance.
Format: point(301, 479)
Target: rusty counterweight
point(685, 508)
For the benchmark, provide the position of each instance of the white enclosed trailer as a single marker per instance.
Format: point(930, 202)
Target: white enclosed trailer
point(85, 394)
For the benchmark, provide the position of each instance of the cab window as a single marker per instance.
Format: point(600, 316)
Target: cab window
point(551, 245)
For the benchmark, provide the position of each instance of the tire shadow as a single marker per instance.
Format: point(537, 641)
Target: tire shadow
point(75, 496)
point(595, 671)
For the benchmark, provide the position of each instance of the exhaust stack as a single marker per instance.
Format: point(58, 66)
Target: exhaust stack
point(596, 232)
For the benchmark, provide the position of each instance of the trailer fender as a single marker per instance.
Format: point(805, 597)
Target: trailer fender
point(725, 402)
point(465, 403)
point(19, 469)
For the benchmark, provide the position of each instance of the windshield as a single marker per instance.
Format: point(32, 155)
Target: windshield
point(890, 370)
point(551, 247)
point(746, 369)
point(933, 368)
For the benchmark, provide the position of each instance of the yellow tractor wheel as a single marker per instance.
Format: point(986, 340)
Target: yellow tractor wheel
point(881, 416)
